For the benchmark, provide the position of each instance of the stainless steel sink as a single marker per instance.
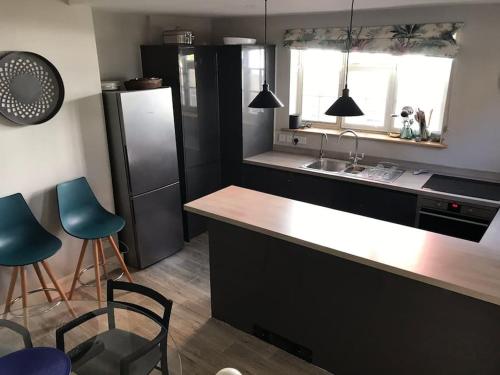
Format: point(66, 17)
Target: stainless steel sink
point(355, 169)
point(380, 172)
point(328, 165)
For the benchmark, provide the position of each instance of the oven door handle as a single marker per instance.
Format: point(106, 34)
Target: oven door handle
point(422, 212)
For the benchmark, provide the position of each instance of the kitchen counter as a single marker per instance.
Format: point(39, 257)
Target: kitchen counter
point(352, 294)
point(461, 266)
point(407, 182)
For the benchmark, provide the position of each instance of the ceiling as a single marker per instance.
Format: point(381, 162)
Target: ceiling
point(255, 7)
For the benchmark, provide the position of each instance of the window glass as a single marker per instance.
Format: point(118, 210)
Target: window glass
point(422, 82)
point(381, 85)
point(320, 83)
point(369, 88)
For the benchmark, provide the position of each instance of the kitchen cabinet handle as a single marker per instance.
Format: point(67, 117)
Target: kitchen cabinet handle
point(454, 219)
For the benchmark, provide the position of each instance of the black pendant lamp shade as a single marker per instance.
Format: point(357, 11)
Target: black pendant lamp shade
point(345, 106)
point(265, 98)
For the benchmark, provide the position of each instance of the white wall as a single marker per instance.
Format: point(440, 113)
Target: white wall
point(33, 159)
point(120, 35)
point(118, 38)
point(474, 109)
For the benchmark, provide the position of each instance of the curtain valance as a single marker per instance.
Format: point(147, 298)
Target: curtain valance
point(431, 39)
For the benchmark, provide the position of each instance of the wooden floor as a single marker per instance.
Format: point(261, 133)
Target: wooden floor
point(208, 345)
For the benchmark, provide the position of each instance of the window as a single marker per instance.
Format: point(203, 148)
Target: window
point(381, 84)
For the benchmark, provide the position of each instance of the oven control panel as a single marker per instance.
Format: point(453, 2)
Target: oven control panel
point(460, 208)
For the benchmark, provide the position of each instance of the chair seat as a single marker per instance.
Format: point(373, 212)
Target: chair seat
point(28, 247)
point(95, 224)
point(35, 361)
point(102, 354)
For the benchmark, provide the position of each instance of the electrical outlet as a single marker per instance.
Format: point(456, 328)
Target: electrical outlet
point(289, 139)
point(282, 138)
point(302, 140)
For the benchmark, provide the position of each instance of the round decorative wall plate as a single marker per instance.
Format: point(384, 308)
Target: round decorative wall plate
point(31, 88)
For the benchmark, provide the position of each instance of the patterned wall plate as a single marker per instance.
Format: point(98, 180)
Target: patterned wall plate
point(31, 88)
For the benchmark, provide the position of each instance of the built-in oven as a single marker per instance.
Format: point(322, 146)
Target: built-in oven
point(454, 218)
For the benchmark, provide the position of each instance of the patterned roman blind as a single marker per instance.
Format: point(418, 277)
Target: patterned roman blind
point(431, 39)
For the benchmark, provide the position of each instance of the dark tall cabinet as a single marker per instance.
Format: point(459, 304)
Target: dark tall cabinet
point(245, 131)
point(192, 74)
point(212, 87)
point(143, 154)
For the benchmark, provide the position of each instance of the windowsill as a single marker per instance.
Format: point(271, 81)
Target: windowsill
point(371, 136)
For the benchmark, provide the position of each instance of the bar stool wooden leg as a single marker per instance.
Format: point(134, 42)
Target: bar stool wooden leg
point(42, 281)
point(120, 259)
point(58, 287)
point(78, 267)
point(95, 247)
point(24, 288)
point(13, 279)
point(103, 258)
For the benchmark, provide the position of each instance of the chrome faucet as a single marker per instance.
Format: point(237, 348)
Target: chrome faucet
point(356, 157)
point(324, 136)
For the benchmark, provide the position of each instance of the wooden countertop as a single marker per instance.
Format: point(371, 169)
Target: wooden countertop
point(446, 262)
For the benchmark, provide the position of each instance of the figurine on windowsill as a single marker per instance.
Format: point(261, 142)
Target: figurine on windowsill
point(420, 118)
point(406, 132)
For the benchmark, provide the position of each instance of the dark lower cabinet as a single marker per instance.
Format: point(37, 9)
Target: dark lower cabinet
point(383, 204)
point(379, 203)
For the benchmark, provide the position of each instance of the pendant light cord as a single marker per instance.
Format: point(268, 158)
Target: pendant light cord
point(349, 43)
point(265, 41)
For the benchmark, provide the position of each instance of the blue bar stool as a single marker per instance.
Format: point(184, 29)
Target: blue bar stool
point(23, 241)
point(82, 216)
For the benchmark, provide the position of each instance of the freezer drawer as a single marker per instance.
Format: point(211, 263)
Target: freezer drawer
point(158, 226)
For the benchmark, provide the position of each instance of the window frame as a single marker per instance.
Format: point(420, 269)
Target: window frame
point(390, 121)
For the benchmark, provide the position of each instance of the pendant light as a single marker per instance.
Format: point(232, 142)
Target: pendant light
point(265, 98)
point(345, 106)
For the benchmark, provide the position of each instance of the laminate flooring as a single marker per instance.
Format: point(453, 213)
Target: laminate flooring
point(206, 344)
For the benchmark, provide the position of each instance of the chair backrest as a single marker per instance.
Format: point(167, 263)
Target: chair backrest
point(18, 329)
point(76, 200)
point(15, 214)
point(16, 218)
point(164, 320)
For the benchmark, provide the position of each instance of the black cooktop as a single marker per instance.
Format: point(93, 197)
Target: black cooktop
point(464, 186)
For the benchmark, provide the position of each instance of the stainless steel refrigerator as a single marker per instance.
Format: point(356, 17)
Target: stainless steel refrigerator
point(143, 155)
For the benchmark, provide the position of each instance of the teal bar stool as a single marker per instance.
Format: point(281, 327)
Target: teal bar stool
point(23, 242)
point(82, 216)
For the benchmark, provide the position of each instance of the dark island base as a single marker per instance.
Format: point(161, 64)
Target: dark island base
point(353, 318)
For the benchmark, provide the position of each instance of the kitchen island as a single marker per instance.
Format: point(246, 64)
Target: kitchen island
point(352, 294)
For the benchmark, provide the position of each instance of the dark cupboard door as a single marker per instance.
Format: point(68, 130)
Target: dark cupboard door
point(199, 103)
point(258, 124)
point(201, 181)
point(383, 204)
point(149, 137)
point(378, 203)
